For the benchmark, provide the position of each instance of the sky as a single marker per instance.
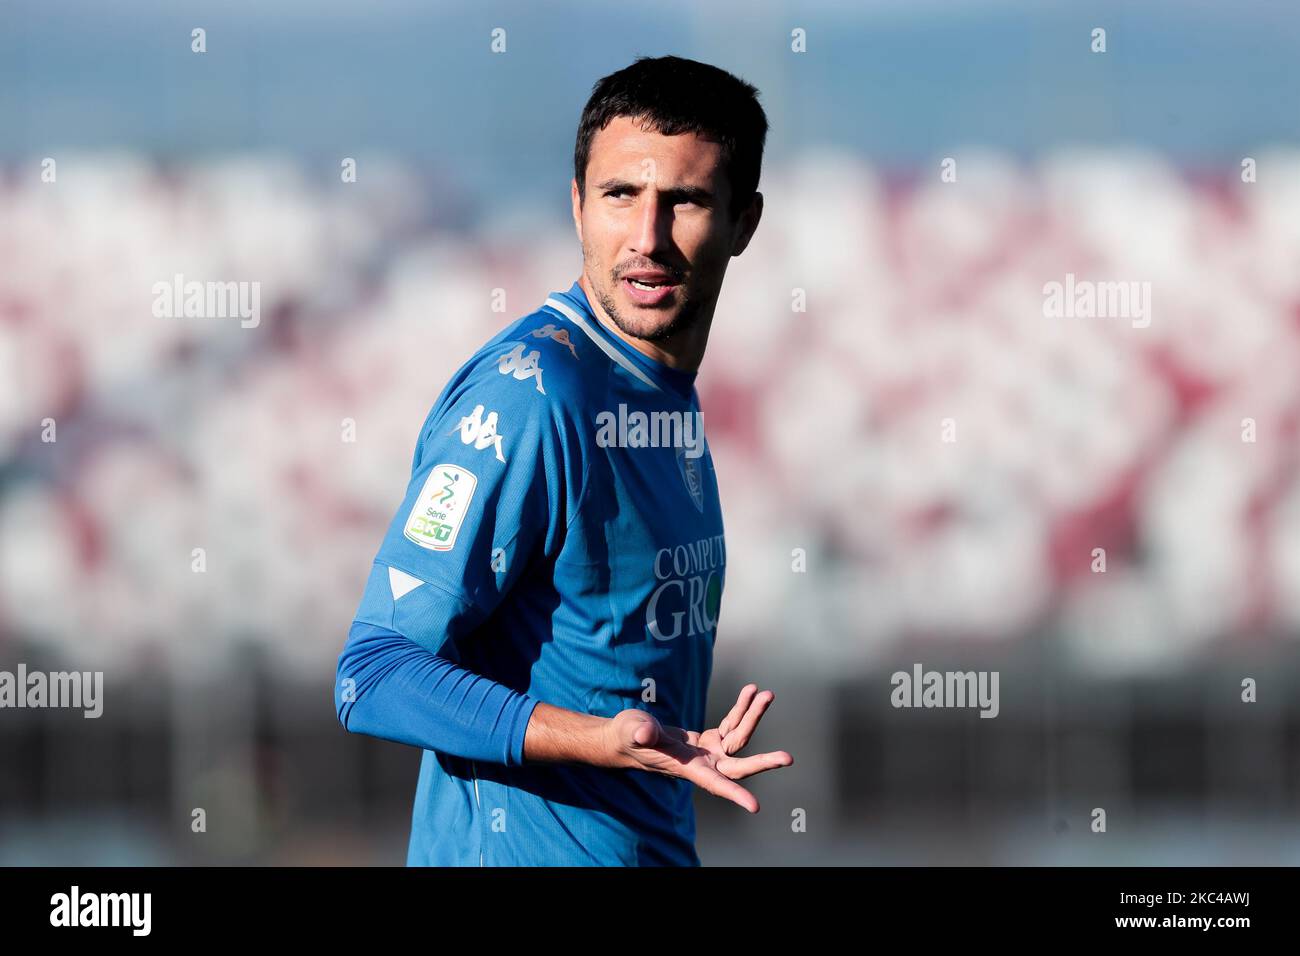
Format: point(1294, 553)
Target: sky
point(900, 84)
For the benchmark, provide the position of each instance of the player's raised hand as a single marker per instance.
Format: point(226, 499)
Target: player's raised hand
point(641, 742)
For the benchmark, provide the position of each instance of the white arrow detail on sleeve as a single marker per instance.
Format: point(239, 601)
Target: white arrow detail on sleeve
point(402, 583)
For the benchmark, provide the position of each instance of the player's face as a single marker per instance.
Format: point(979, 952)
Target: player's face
point(656, 235)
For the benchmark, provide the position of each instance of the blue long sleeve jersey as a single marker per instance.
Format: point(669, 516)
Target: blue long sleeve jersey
point(560, 540)
point(402, 691)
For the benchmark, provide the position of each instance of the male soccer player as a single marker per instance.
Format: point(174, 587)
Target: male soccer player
point(541, 614)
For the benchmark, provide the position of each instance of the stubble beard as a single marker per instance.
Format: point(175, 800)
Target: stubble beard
point(686, 316)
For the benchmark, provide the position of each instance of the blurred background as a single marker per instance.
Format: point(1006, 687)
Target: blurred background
point(1173, 158)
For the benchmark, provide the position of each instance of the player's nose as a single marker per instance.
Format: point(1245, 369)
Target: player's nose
point(654, 225)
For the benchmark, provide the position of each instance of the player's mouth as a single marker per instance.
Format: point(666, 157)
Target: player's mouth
point(649, 288)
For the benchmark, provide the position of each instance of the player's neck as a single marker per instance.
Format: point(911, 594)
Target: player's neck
point(684, 351)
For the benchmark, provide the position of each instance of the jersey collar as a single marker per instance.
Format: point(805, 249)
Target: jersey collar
point(573, 305)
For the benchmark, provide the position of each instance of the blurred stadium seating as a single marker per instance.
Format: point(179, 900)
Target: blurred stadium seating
point(924, 302)
point(1074, 433)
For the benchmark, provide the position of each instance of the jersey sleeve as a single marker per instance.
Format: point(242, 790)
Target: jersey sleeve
point(486, 497)
point(388, 686)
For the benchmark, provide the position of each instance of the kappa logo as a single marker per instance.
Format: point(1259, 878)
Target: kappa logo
point(550, 331)
point(441, 507)
point(522, 366)
point(479, 431)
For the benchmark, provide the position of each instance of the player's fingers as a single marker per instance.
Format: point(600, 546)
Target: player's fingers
point(645, 732)
point(742, 704)
point(668, 753)
point(705, 777)
point(738, 768)
point(738, 737)
point(673, 733)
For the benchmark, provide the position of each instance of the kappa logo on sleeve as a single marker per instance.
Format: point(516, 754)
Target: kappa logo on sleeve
point(522, 365)
point(551, 331)
point(479, 431)
point(441, 507)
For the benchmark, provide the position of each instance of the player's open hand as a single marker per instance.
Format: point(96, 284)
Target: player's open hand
point(707, 759)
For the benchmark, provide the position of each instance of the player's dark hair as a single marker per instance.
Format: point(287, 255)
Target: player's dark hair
point(672, 95)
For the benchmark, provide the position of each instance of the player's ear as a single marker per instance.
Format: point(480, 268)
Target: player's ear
point(747, 224)
point(576, 198)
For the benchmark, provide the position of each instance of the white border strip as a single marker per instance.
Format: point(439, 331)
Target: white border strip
point(605, 347)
